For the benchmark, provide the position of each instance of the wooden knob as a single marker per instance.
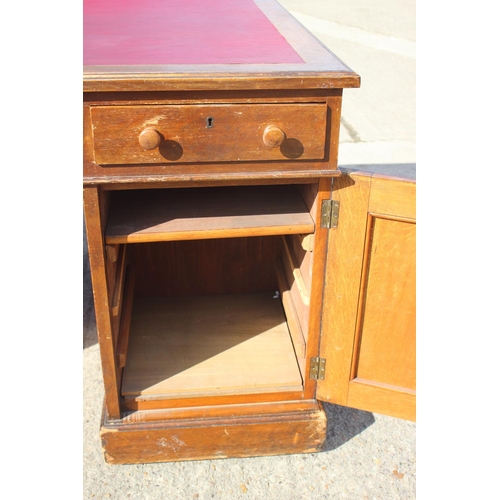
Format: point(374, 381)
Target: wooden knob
point(149, 138)
point(273, 136)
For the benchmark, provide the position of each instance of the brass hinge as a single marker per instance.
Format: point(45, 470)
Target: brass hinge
point(329, 213)
point(317, 369)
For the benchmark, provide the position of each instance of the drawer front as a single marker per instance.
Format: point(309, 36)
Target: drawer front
point(208, 133)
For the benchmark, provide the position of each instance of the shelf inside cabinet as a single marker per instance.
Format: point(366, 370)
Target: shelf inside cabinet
point(209, 345)
point(203, 213)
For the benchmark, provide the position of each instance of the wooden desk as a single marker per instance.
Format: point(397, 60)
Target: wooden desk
point(239, 278)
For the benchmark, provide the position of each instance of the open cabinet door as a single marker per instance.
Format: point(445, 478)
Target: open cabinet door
point(368, 321)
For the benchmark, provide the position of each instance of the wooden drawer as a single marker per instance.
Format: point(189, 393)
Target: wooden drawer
point(208, 133)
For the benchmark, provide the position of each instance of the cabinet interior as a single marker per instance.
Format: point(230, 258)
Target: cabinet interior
point(210, 289)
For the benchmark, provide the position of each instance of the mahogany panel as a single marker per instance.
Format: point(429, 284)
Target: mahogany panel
point(207, 133)
point(282, 96)
point(393, 196)
point(201, 267)
point(302, 248)
point(132, 404)
point(294, 270)
point(244, 79)
point(196, 346)
point(299, 343)
point(190, 214)
point(342, 277)
point(211, 438)
point(214, 410)
point(388, 327)
point(368, 336)
point(318, 285)
point(388, 400)
point(125, 319)
point(94, 210)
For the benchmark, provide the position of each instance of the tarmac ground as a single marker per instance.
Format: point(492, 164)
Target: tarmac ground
point(367, 456)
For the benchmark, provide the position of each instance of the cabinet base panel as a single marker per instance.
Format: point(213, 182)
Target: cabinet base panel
point(212, 438)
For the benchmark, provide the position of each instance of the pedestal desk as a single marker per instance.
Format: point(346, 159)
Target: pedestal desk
point(239, 278)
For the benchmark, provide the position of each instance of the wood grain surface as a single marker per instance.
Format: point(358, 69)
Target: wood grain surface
point(189, 214)
point(207, 133)
point(281, 163)
point(204, 267)
point(209, 345)
point(95, 216)
point(387, 344)
point(369, 305)
point(250, 435)
point(268, 48)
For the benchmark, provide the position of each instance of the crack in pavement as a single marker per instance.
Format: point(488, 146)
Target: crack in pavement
point(353, 134)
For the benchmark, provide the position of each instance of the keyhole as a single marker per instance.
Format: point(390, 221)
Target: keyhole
point(210, 122)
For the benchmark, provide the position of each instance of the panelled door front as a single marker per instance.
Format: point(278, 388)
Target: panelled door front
point(368, 322)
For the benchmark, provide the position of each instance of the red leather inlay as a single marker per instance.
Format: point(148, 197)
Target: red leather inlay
point(138, 32)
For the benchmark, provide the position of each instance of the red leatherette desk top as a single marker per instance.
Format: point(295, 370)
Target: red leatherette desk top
point(132, 32)
point(203, 44)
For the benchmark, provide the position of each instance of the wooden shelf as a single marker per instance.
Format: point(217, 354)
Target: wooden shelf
point(187, 214)
point(209, 345)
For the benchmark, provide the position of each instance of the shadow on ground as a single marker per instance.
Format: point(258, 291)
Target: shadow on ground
point(344, 424)
point(89, 328)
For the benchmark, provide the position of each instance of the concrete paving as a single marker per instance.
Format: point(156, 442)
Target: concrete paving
point(367, 456)
point(378, 42)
